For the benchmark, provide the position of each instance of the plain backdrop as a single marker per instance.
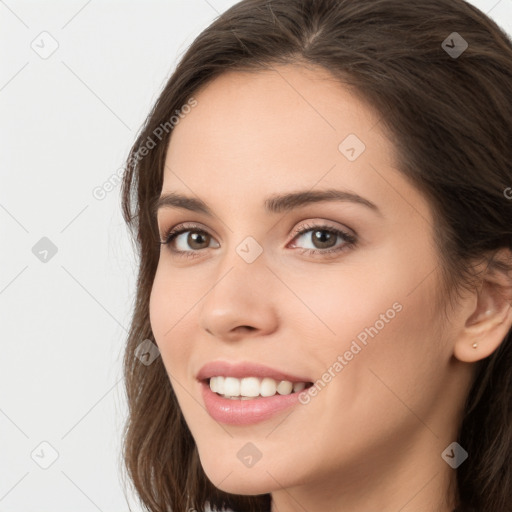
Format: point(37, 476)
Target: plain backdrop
point(77, 79)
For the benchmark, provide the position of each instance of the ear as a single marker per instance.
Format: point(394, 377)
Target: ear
point(489, 317)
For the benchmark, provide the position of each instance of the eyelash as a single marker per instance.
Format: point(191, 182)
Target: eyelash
point(349, 240)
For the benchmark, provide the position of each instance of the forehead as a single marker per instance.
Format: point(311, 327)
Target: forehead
point(287, 107)
point(282, 128)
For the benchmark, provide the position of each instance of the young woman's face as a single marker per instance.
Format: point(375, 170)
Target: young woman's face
point(259, 280)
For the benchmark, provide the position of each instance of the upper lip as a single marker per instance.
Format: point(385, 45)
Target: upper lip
point(245, 369)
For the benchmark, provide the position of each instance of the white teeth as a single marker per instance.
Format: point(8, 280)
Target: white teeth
point(217, 383)
point(251, 387)
point(285, 387)
point(298, 386)
point(268, 387)
point(231, 387)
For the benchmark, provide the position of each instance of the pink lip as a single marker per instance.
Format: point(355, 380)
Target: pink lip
point(245, 412)
point(245, 369)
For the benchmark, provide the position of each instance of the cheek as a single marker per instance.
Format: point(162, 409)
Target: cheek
point(159, 307)
point(390, 360)
point(381, 320)
point(171, 306)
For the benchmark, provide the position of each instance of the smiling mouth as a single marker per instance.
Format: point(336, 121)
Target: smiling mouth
point(250, 388)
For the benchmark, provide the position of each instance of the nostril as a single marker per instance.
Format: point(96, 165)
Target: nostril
point(246, 327)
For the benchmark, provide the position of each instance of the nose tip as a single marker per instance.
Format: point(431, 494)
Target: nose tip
point(234, 332)
point(241, 305)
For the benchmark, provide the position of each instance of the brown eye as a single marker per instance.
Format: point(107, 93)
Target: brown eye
point(197, 239)
point(323, 239)
point(187, 240)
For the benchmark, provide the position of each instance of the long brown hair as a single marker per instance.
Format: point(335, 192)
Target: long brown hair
point(450, 115)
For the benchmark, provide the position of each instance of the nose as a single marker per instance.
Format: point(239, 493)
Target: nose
point(241, 302)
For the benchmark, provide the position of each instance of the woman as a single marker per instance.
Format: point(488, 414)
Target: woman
point(320, 203)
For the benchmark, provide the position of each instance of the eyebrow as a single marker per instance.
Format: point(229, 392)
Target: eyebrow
point(273, 204)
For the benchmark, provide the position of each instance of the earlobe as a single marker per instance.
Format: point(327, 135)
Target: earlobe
point(489, 321)
point(480, 339)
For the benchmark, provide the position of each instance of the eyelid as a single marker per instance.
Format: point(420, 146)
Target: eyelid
point(184, 226)
point(318, 224)
point(350, 241)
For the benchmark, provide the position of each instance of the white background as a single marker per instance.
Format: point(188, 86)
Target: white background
point(67, 123)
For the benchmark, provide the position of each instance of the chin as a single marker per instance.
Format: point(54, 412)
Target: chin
point(246, 485)
point(235, 478)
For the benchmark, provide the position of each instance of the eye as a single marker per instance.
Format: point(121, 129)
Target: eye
point(196, 239)
point(323, 239)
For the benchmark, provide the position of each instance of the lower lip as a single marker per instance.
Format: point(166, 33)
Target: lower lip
point(245, 412)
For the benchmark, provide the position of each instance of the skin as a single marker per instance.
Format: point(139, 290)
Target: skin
point(372, 438)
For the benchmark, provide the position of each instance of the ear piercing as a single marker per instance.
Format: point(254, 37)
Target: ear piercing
point(475, 345)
